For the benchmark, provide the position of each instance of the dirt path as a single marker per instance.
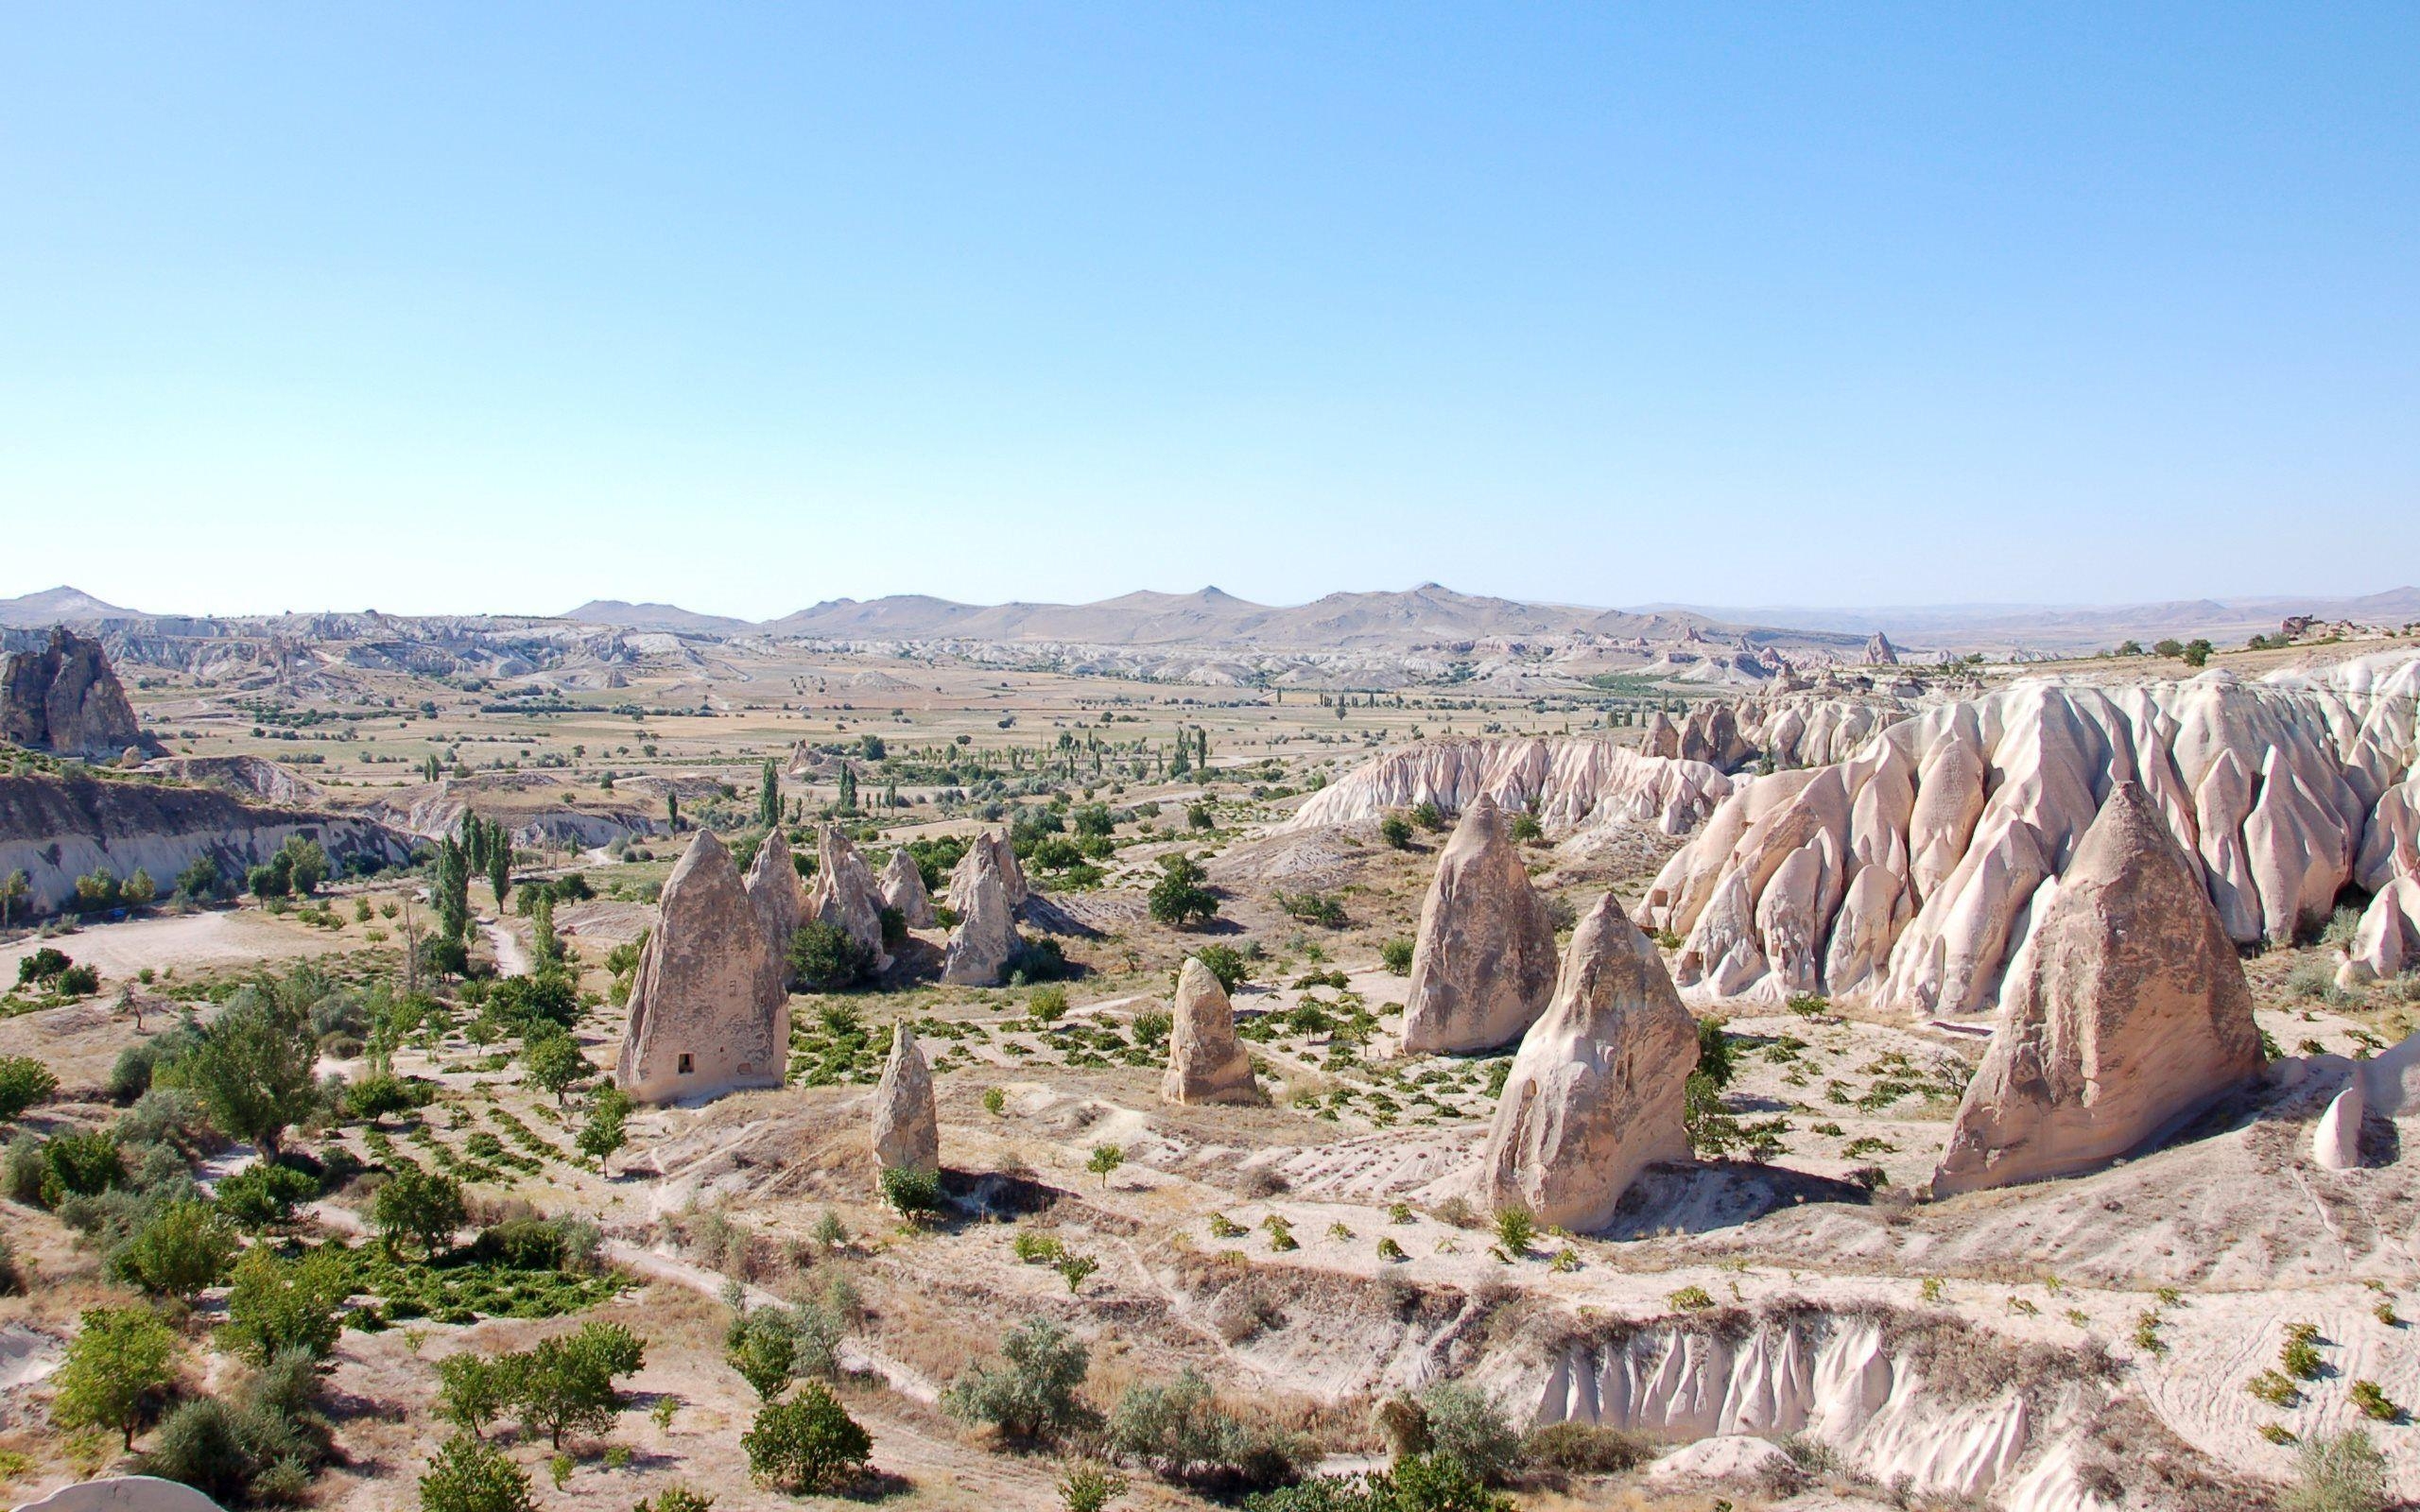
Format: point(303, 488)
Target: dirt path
point(511, 959)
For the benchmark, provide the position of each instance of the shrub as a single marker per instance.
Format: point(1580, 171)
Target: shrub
point(824, 958)
point(264, 1193)
point(1526, 830)
point(277, 1305)
point(118, 1364)
point(1585, 1449)
point(1180, 1432)
point(1515, 1229)
point(1226, 963)
point(1395, 955)
point(24, 1082)
point(2341, 1473)
point(911, 1194)
point(1153, 1026)
point(80, 1165)
point(1181, 897)
point(1089, 1486)
point(422, 1206)
point(1466, 1425)
point(807, 1444)
point(183, 1248)
point(1032, 1396)
point(1689, 1299)
point(468, 1475)
point(2373, 1403)
point(1395, 831)
point(565, 1384)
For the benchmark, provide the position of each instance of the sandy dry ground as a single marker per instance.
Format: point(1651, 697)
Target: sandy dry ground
point(187, 942)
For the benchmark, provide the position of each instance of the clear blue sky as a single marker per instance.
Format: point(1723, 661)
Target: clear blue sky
point(450, 307)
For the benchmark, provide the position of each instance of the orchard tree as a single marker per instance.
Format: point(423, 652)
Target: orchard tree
point(121, 1360)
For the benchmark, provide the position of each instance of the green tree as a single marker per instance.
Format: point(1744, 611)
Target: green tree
point(468, 1475)
point(23, 1081)
point(606, 1129)
point(139, 890)
point(1396, 831)
point(553, 1063)
point(473, 1390)
point(826, 958)
point(1180, 897)
point(185, 1248)
point(809, 1443)
point(499, 867)
point(1105, 1161)
point(277, 1304)
point(1032, 1396)
point(14, 889)
point(765, 1353)
point(423, 1206)
point(255, 1067)
point(2197, 652)
point(848, 803)
point(768, 796)
point(306, 863)
point(120, 1362)
point(450, 890)
point(565, 1384)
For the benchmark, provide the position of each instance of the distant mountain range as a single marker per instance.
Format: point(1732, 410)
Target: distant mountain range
point(1426, 615)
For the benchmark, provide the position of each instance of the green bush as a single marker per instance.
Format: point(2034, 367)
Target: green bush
point(1180, 1432)
point(809, 1443)
point(185, 1248)
point(1226, 963)
point(24, 1082)
point(824, 958)
point(2341, 1473)
point(467, 1475)
point(265, 1193)
point(1032, 1396)
point(911, 1194)
point(1395, 831)
point(1397, 955)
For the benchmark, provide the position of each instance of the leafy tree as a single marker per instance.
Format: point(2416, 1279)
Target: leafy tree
point(183, 1248)
point(768, 796)
point(264, 1193)
point(1105, 1161)
point(119, 1362)
point(500, 868)
point(848, 798)
point(825, 959)
point(1180, 897)
point(139, 890)
point(450, 890)
point(765, 1353)
point(606, 1129)
point(277, 1304)
point(1226, 963)
point(1396, 831)
point(14, 889)
point(1395, 955)
point(910, 1193)
point(255, 1068)
point(422, 1206)
point(565, 1384)
point(809, 1443)
point(1032, 1395)
point(555, 1064)
point(1180, 1432)
point(305, 864)
point(23, 1081)
point(1428, 816)
point(2197, 652)
point(473, 1390)
point(198, 880)
point(79, 1164)
point(468, 1475)
point(2169, 647)
point(1714, 1051)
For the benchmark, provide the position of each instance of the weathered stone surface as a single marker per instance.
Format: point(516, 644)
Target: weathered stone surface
point(1571, 782)
point(903, 887)
point(65, 699)
point(699, 1022)
point(993, 845)
point(907, 1130)
point(773, 891)
point(2128, 1013)
point(124, 1493)
point(2336, 1142)
point(844, 895)
point(1208, 1062)
point(986, 936)
point(1880, 652)
point(1595, 1092)
point(1482, 965)
point(2387, 943)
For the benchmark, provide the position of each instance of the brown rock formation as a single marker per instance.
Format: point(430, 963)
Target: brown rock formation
point(903, 887)
point(65, 699)
point(2128, 1012)
point(1597, 1091)
point(1207, 1063)
point(699, 1025)
point(1484, 964)
point(986, 936)
point(907, 1131)
point(844, 895)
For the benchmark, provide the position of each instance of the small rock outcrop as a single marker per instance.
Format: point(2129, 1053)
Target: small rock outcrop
point(1482, 966)
point(1208, 1062)
point(907, 1131)
point(698, 1024)
point(1596, 1091)
point(985, 939)
point(1003, 862)
point(2127, 1012)
point(773, 891)
point(903, 887)
point(1880, 652)
point(65, 699)
point(844, 894)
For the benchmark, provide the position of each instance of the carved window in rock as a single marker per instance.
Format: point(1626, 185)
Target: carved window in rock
point(685, 1065)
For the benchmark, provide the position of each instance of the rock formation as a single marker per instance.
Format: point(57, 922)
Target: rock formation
point(844, 895)
point(1002, 860)
point(773, 888)
point(65, 699)
point(1482, 966)
point(2127, 1012)
point(1571, 782)
point(699, 1022)
point(1207, 1063)
point(903, 887)
point(1880, 652)
point(907, 1131)
point(1595, 1092)
point(985, 939)
point(2278, 792)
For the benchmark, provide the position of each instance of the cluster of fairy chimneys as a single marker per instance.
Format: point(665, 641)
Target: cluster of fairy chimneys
point(2126, 1015)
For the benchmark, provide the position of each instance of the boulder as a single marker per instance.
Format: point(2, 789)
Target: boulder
point(903, 887)
point(2128, 1013)
point(1482, 966)
point(844, 894)
point(1207, 1063)
point(64, 698)
point(1596, 1091)
point(700, 1026)
point(985, 939)
point(907, 1130)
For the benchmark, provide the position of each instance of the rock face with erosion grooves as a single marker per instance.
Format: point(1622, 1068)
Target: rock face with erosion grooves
point(64, 698)
point(907, 1131)
point(844, 895)
point(1571, 782)
point(698, 1024)
point(2127, 1012)
point(1207, 1063)
point(773, 891)
point(903, 887)
point(1003, 862)
point(1597, 1091)
point(1484, 965)
point(980, 947)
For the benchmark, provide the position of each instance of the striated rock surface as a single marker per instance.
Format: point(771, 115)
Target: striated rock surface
point(2279, 793)
point(64, 698)
point(1595, 1092)
point(903, 887)
point(844, 894)
point(699, 1022)
point(773, 891)
point(1002, 861)
point(907, 1129)
point(1571, 782)
point(1482, 965)
point(986, 936)
point(2128, 1013)
point(1880, 652)
point(1208, 1062)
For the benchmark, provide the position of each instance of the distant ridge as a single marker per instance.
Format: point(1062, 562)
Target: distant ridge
point(59, 606)
point(2080, 627)
point(615, 612)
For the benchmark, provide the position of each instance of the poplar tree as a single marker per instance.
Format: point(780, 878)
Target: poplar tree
point(848, 789)
point(769, 796)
